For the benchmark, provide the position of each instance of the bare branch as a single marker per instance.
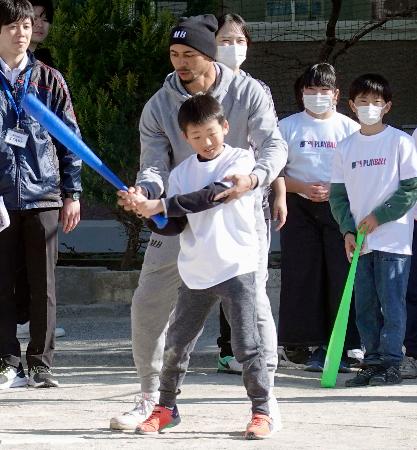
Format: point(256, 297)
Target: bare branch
point(371, 26)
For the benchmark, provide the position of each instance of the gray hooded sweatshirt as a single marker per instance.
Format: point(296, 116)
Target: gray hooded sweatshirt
point(247, 109)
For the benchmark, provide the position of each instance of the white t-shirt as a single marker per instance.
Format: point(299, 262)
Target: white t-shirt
point(312, 142)
point(371, 167)
point(220, 243)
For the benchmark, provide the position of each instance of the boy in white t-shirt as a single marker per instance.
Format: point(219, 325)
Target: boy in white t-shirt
point(218, 259)
point(374, 188)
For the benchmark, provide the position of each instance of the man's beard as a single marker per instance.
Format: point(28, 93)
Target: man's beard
point(188, 81)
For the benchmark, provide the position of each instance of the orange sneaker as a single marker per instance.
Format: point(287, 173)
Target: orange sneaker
point(160, 419)
point(260, 427)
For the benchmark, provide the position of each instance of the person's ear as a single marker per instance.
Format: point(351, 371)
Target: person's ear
point(336, 96)
point(352, 106)
point(387, 108)
point(184, 136)
point(226, 127)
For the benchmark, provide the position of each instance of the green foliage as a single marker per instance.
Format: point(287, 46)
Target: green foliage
point(114, 56)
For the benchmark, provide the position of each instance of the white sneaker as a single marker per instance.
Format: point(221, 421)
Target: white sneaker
point(59, 332)
point(408, 367)
point(274, 412)
point(22, 331)
point(10, 377)
point(144, 405)
point(356, 353)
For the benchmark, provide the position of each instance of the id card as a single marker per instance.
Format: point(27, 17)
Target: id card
point(4, 215)
point(16, 137)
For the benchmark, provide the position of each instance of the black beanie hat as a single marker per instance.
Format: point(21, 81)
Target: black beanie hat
point(197, 32)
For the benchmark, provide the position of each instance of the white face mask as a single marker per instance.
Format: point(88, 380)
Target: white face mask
point(231, 56)
point(369, 115)
point(318, 103)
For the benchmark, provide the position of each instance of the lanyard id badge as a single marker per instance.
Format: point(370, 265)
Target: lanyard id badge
point(16, 137)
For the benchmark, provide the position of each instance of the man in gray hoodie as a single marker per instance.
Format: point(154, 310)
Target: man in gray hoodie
point(248, 110)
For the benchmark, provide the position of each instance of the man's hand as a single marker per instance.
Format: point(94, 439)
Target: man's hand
point(368, 224)
point(69, 214)
point(280, 211)
point(241, 184)
point(135, 201)
point(317, 191)
point(350, 245)
point(129, 200)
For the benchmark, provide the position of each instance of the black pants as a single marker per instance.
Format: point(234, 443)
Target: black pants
point(410, 340)
point(224, 340)
point(34, 231)
point(314, 268)
point(22, 289)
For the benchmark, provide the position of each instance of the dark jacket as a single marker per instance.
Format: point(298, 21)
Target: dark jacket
point(36, 176)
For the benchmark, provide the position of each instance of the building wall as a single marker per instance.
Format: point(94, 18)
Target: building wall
point(279, 64)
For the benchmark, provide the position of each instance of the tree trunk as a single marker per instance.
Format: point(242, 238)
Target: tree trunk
point(132, 226)
point(331, 40)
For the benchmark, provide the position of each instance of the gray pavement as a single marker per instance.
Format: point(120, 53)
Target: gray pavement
point(98, 380)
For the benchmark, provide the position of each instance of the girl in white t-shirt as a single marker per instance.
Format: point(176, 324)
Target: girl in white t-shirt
point(314, 265)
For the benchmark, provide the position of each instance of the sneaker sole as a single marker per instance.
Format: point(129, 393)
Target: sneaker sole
point(43, 385)
point(383, 383)
point(117, 426)
point(314, 369)
point(254, 437)
point(173, 424)
point(408, 377)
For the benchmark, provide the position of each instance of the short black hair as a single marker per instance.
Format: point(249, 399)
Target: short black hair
point(14, 11)
point(236, 20)
point(370, 83)
point(321, 74)
point(48, 7)
point(198, 110)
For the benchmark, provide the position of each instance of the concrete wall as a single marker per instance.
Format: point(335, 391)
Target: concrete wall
point(90, 285)
point(108, 236)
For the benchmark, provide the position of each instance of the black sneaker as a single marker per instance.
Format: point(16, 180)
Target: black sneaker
point(363, 376)
point(42, 377)
point(392, 375)
point(297, 355)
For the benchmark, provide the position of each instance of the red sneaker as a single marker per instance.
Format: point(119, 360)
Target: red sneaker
point(160, 419)
point(260, 427)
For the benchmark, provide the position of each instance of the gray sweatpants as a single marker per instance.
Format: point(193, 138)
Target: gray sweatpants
point(157, 293)
point(193, 306)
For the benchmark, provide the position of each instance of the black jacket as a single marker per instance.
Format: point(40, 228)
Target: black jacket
point(36, 176)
